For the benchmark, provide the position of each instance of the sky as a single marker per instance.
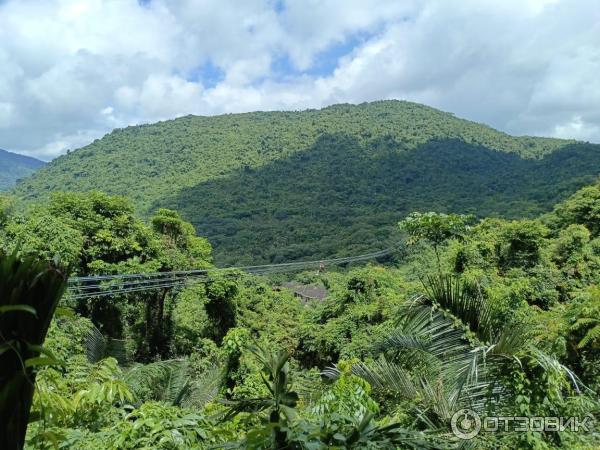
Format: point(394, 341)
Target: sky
point(71, 71)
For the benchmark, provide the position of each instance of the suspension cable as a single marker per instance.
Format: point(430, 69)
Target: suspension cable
point(103, 285)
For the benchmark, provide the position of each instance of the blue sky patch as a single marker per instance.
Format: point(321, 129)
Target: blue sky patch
point(324, 62)
point(208, 74)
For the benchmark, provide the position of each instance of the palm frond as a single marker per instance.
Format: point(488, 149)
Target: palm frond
point(451, 372)
point(148, 381)
point(170, 381)
point(383, 374)
point(177, 386)
point(510, 340)
point(95, 344)
point(99, 347)
point(426, 331)
point(204, 389)
point(464, 301)
point(368, 432)
point(552, 365)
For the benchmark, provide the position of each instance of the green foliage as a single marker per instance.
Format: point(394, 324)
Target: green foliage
point(435, 228)
point(29, 294)
point(574, 254)
point(280, 404)
point(458, 369)
point(362, 306)
point(522, 244)
point(182, 249)
point(71, 335)
point(348, 396)
point(156, 426)
point(585, 318)
point(45, 236)
point(173, 382)
point(570, 245)
point(97, 233)
point(277, 186)
point(6, 207)
point(113, 237)
point(190, 320)
point(86, 399)
point(221, 306)
point(343, 414)
point(582, 208)
point(384, 361)
point(464, 300)
point(272, 314)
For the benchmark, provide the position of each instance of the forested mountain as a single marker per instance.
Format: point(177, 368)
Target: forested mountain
point(14, 167)
point(274, 186)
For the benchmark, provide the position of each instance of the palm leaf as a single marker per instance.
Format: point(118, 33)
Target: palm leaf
point(204, 389)
point(170, 381)
point(383, 374)
point(464, 301)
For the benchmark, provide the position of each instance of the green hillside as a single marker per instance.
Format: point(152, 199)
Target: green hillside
point(273, 186)
point(14, 166)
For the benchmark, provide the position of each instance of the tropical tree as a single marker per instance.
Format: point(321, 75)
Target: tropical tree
point(435, 228)
point(172, 382)
point(280, 404)
point(449, 352)
point(582, 208)
point(286, 429)
point(44, 236)
point(6, 207)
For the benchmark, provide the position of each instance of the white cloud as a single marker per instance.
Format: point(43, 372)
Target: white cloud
point(73, 70)
point(6, 114)
point(312, 25)
point(577, 128)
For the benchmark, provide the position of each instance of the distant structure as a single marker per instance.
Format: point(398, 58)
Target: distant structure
point(306, 292)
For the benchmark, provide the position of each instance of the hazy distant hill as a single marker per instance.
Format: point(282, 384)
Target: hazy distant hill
point(273, 186)
point(14, 167)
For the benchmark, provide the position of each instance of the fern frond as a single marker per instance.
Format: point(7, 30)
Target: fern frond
point(591, 336)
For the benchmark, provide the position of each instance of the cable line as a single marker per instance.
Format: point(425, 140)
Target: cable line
point(105, 285)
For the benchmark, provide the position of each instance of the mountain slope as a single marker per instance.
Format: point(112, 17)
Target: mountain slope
point(14, 167)
point(272, 186)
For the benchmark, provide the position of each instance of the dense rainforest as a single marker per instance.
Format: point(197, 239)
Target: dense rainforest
point(278, 186)
point(494, 315)
point(13, 167)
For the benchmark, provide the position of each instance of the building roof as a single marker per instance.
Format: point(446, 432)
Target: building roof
point(312, 292)
point(307, 291)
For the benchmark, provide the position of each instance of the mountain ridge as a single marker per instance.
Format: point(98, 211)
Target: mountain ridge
point(268, 186)
point(14, 166)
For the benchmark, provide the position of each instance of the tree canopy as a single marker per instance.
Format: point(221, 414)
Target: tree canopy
point(504, 322)
point(276, 186)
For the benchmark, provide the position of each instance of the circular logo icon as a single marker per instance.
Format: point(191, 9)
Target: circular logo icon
point(465, 424)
